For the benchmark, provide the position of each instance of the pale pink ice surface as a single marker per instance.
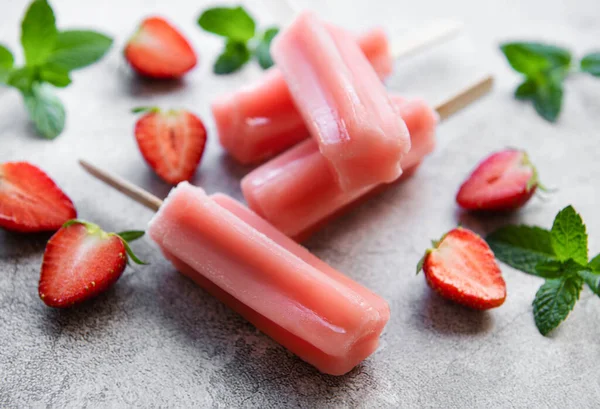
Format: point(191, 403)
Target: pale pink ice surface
point(297, 191)
point(316, 312)
point(343, 102)
point(259, 121)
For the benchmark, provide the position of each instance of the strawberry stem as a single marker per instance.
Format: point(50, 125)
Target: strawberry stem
point(131, 235)
point(145, 109)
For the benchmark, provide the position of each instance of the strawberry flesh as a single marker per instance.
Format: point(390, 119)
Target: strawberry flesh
point(462, 268)
point(502, 182)
point(80, 263)
point(30, 201)
point(172, 143)
point(158, 50)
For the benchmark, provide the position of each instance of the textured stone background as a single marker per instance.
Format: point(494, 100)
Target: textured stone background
point(156, 340)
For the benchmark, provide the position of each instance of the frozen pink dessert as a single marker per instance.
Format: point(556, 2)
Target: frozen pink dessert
point(344, 104)
point(297, 191)
point(261, 120)
point(316, 312)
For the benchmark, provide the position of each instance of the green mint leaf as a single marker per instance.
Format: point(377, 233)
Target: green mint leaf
point(555, 269)
point(7, 62)
point(232, 59)
point(592, 280)
point(526, 90)
point(594, 265)
point(531, 58)
point(45, 110)
point(131, 235)
point(521, 247)
point(54, 75)
point(75, 49)
point(22, 78)
point(548, 97)
point(263, 50)
point(591, 64)
point(554, 301)
point(569, 237)
point(233, 23)
point(38, 32)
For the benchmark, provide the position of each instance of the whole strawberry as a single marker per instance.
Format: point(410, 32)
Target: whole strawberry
point(503, 181)
point(461, 267)
point(158, 50)
point(172, 142)
point(30, 201)
point(81, 261)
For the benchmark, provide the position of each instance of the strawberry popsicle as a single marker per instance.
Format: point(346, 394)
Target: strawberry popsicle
point(343, 103)
point(316, 312)
point(261, 120)
point(297, 191)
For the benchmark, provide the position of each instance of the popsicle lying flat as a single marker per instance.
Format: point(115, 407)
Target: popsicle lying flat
point(316, 312)
point(342, 101)
point(297, 190)
point(261, 120)
point(297, 193)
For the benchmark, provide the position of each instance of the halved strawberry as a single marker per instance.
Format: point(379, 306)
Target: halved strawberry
point(461, 267)
point(158, 50)
point(504, 181)
point(82, 261)
point(171, 142)
point(30, 201)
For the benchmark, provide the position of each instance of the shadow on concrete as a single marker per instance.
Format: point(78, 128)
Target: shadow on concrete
point(248, 361)
point(16, 245)
point(446, 317)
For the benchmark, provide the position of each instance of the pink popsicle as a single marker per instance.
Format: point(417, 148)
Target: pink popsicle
point(343, 103)
point(261, 120)
point(297, 192)
point(316, 312)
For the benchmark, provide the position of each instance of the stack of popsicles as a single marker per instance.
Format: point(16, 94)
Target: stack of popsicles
point(328, 87)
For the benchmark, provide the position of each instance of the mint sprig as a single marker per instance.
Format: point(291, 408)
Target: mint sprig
point(559, 255)
point(242, 40)
point(50, 56)
point(545, 68)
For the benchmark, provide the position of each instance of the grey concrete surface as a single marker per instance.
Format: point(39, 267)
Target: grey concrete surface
point(156, 340)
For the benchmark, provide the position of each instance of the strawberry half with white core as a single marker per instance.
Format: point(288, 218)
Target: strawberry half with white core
point(158, 50)
point(30, 201)
point(81, 261)
point(172, 142)
point(461, 267)
point(504, 181)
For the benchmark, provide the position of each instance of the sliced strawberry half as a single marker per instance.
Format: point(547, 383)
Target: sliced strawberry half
point(504, 181)
point(172, 142)
point(158, 50)
point(30, 201)
point(82, 261)
point(461, 267)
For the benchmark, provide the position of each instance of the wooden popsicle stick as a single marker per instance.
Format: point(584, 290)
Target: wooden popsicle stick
point(445, 109)
point(129, 189)
point(464, 98)
point(407, 44)
point(423, 37)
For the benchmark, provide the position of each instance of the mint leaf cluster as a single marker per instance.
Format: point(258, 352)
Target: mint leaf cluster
point(545, 68)
point(559, 255)
point(50, 56)
point(242, 41)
